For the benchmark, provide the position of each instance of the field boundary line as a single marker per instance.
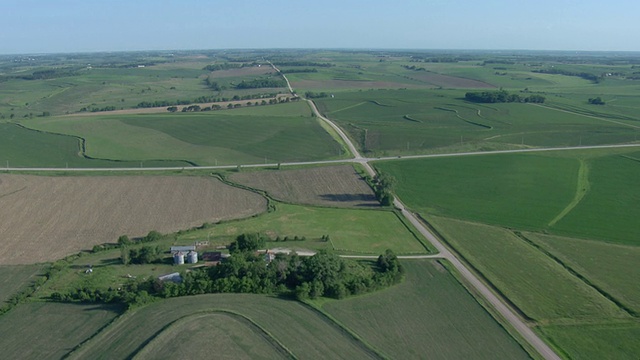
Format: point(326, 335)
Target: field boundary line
point(588, 116)
point(582, 188)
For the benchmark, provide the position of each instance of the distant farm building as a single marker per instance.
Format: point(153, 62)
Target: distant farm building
point(174, 277)
point(213, 258)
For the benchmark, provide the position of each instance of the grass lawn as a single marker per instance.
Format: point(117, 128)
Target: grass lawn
point(350, 230)
point(541, 288)
point(429, 315)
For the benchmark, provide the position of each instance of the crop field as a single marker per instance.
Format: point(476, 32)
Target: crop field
point(517, 190)
point(430, 315)
point(304, 332)
point(225, 334)
point(15, 277)
point(591, 195)
point(350, 230)
point(214, 138)
point(46, 218)
point(541, 288)
point(611, 267)
point(338, 186)
point(609, 341)
point(40, 330)
point(387, 122)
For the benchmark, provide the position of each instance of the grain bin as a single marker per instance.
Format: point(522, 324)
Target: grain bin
point(192, 257)
point(178, 258)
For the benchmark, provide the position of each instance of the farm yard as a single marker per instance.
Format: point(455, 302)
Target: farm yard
point(552, 234)
point(47, 218)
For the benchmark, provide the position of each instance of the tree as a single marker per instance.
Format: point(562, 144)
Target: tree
point(247, 242)
point(596, 101)
point(124, 240)
point(172, 108)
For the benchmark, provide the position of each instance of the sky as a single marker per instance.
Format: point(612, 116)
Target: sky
point(58, 26)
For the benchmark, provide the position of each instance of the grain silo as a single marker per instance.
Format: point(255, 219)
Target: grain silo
point(178, 258)
point(192, 257)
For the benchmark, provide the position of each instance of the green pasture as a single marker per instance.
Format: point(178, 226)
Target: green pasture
point(306, 333)
point(350, 230)
point(611, 267)
point(516, 190)
point(429, 315)
point(22, 147)
point(598, 341)
point(537, 285)
point(224, 334)
point(388, 122)
point(211, 138)
point(14, 278)
point(40, 330)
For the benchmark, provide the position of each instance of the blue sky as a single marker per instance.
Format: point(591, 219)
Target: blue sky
point(45, 26)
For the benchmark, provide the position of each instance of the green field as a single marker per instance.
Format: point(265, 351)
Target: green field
point(523, 191)
point(388, 122)
point(16, 277)
point(588, 194)
point(41, 330)
point(430, 315)
point(541, 288)
point(612, 268)
point(223, 137)
point(224, 334)
point(350, 230)
point(304, 332)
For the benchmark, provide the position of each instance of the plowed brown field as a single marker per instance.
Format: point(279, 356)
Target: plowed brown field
point(327, 186)
point(46, 218)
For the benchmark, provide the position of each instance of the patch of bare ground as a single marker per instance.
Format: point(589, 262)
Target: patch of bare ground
point(448, 81)
point(47, 218)
point(327, 186)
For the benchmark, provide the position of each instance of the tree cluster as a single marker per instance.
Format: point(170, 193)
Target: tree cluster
point(261, 83)
point(296, 71)
point(227, 66)
point(501, 96)
point(201, 99)
point(315, 95)
point(383, 185)
point(303, 63)
point(587, 76)
point(596, 101)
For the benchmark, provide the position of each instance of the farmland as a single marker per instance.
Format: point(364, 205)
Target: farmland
point(304, 332)
point(429, 315)
point(328, 186)
point(46, 218)
point(213, 138)
point(58, 329)
point(15, 277)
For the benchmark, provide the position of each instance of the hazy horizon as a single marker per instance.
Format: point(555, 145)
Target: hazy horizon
point(73, 26)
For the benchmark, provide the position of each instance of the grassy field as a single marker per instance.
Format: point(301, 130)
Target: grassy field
point(612, 268)
point(541, 288)
point(223, 334)
point(328, 186)
point(350, 230)
point(608, 341)
point(16, 277)
point(430, 315)
point(47, 218)
point(41, 330)
point(388, 122)
point(586, 194)
point(304, 332)
point(223, 137)
point(523, 191)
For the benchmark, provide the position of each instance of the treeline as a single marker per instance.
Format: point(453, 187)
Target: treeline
point(315, 95)
point(261, 83)
point(97, 109)
point(302, 63)
point(596, 101)
point(383, 185)
point(414, 68)
point(295, 71)
point(227, 66)
point(49, 74)
point(587, 76)
point(197, 108)
point(245, 271)
point(202, 99)
point(502, 96)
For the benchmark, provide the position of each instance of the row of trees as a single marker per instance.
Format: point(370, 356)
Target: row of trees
point(587, 76)
point(227, 66)
point(203, 99)
point(502, 96)
point(302, 63)
point(261, 83)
